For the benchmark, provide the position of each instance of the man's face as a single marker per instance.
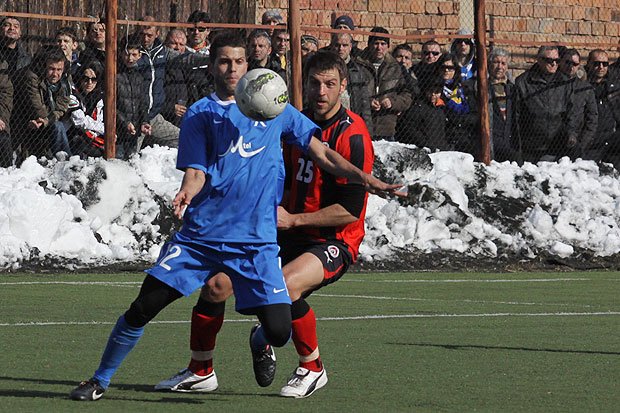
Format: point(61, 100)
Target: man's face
point(148, 36)
point(131, 57)
point(498, 68)
point(53, 71)
point(281, 41)
point(430, 53)
point(177, 41)
point(343, 46)
point(96, 34)
point(229, 66)
point(11, 29)
point(260, 48)
point(379, 48)
point(598, 65)
point(404, 57)
point(67, 44)
point(323, 90)
point(463, 47)
point(569, 65)
point(548, 62)
point(196, 36)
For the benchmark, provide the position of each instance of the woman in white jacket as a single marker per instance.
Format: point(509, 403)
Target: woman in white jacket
point(87, 116)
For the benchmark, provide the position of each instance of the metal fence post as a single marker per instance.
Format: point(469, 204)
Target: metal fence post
point(483, 83)
point(109, 114)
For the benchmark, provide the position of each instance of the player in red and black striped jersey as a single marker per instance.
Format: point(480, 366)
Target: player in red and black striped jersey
point(321, 223)
point(321, 219)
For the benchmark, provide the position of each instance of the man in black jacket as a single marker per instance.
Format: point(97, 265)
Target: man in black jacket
point(546, 119)
point(604, 146)
point(584, 100)
point(501, 90)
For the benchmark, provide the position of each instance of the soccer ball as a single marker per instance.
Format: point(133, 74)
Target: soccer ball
point(261, 94)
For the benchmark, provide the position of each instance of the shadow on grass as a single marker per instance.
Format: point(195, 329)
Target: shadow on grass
point(474, 346)
point(166, 397)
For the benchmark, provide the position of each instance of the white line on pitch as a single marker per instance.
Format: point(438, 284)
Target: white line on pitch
point(124, 283)
point(372, 297)
point(540, 280)
point(362, 317)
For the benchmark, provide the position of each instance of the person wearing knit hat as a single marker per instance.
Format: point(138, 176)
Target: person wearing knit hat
point(344, 22)
point(309, 44)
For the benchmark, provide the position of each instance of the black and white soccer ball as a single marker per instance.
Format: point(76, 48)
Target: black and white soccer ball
point(261, 94)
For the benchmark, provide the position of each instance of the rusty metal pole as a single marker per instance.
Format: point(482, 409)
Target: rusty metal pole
point(483, 80)
point(109, 111)
point(294, 27)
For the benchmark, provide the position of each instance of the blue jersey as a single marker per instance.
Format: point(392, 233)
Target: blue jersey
point(242, 160)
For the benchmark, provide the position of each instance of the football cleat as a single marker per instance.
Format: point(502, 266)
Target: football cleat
point(88, 391)
point(188, 382)
point(263, 362)
point(303, 383)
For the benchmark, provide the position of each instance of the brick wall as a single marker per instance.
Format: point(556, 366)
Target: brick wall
point(569, 22)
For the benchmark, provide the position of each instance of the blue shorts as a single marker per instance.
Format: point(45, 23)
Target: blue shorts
point(254, 269)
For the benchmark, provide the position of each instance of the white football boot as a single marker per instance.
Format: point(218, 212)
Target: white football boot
point(188, 382)
point(303, 383)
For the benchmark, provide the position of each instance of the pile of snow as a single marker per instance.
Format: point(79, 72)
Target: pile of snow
point(88, 213)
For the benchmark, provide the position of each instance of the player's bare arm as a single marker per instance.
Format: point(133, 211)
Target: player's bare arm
point(331, 216)
point(193, 181)
point(332, 162)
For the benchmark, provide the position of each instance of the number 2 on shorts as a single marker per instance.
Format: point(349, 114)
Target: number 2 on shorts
point(173, 252)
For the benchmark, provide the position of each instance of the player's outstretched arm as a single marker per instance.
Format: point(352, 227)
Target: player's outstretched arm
point(193, 181)
point(335, 164)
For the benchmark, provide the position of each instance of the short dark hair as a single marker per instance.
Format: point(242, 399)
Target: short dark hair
point(226, 38)
point(199, 16)
point(402, 46)
point(326, 60)
point(48, 54)
point(67, 31)
point(595, 52)
point(255, 34)
point(570, 53)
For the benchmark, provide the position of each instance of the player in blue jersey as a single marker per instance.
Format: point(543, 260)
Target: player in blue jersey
point(228, 199)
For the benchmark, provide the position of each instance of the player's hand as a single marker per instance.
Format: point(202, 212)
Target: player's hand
point(285, 220)
point(180, 202)
point(378, 187)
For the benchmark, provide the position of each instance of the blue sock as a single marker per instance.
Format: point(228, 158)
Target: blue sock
point(122, 340)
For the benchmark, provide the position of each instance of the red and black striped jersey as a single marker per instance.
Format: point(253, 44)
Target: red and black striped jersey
point(310, 189)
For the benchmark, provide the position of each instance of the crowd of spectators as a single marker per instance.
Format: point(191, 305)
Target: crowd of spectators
point(52, 103)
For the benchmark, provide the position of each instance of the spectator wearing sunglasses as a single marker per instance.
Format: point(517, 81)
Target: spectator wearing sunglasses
point(465, 51)
point(426, 69)
point(583, 98)
point(197, 36)
point(605, 145)
point(545, 116)
point(461, 108)
point(86, 131)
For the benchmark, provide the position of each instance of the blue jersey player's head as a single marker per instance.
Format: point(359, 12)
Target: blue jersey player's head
point(326, 80)
point(228, 63)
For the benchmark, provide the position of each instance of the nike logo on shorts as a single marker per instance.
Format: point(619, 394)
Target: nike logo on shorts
point(276, 291)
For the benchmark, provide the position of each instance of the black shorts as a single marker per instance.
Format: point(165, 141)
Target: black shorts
point(334, 256)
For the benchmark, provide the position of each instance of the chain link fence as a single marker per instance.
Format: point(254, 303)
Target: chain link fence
point(413, 72)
